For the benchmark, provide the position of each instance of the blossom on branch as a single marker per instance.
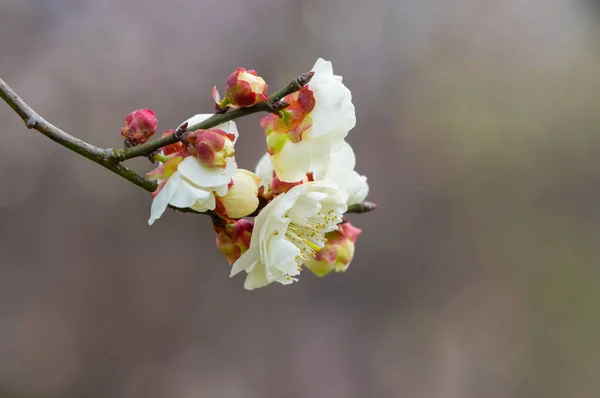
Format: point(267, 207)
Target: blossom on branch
point(312, 127)
point(339, 171)
point(288, 232)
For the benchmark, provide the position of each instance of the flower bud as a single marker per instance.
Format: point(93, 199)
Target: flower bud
point(139, 126)
point(212, 147)
point(233, 238)
point(242, 197)
point(244, 88)
point(338, 251)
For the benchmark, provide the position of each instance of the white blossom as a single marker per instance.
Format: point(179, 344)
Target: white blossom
point(339, 171)
point(304, 140)
point(288, 232)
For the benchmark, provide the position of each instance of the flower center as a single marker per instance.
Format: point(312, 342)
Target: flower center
point(309, 236)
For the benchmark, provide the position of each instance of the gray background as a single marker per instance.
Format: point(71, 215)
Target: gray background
point(476, 277)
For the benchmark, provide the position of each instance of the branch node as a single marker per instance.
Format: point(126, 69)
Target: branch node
point(220, 110)
point(115, 155)
point(152, 156)
point(270, 107)
point(279, 105)
point(305, 78)
point(181, 130)
point(31, 121)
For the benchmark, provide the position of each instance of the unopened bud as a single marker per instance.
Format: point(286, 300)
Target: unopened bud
point(139, 126)
point(212, 147)
point(233, 238)
point(338, 251)
point(244, 88)
point(242, 197)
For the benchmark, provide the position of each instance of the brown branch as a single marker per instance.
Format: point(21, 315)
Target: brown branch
point(98, 155)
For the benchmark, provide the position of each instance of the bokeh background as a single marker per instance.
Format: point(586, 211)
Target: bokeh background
point(478, 128)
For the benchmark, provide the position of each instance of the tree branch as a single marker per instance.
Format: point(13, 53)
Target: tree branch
point(98, 155)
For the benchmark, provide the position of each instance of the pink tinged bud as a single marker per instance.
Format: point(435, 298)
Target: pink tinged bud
point(244, 88)
point(212, 148)
point(233, 238)
point(242, 197)
point(338, 251)
point(139, 126)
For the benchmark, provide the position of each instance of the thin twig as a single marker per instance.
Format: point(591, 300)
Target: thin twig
point(98, 155)
point(362, 207)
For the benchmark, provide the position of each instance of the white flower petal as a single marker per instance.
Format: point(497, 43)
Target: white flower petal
point(294, 161)
point(257, 278)
point(334, 111)
point(197, 119)
point(264, 169)
point(203, 176)
point(203, 205)
point(356, 187)
point(221, 190)
point(186, 195)
point(245, 262)
point(229, 127)
point(343, 158)
point(162, 199)
point(282, 254)
point(322, 68)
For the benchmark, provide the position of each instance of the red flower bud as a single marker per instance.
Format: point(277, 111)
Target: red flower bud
point(233, 238)
point(139, 126)
point(338, 251)
point(211, 147)
point(244, 88)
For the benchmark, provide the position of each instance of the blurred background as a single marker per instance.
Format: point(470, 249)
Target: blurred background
point(477, 276)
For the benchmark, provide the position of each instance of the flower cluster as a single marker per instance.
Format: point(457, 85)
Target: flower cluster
point(299, 192)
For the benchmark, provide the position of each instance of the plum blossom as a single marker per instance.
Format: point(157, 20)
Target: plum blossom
point(288, 232)
point(339, 171)
point(312, 127)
